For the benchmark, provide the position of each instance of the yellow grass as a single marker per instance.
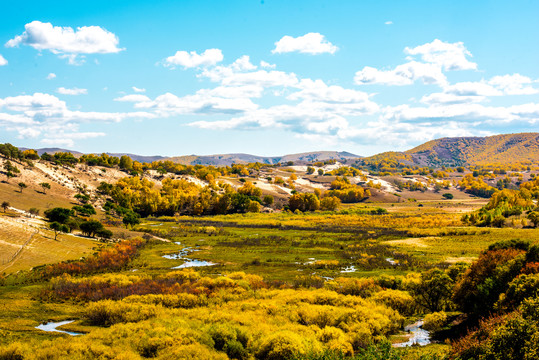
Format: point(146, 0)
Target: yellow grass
point(41, 249)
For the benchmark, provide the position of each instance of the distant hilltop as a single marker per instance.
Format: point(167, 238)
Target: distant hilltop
point(497, 149)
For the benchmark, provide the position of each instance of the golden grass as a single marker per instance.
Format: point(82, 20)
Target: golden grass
point(42, 249)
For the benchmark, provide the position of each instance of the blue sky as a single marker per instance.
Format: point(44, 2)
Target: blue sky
point(265, 77)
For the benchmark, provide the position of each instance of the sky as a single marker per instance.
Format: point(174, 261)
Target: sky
point(269, 77)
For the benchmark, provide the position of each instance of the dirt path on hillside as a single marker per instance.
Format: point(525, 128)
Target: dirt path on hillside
point(16, 255)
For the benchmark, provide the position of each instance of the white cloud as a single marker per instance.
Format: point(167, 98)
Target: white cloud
point(74, 91)
point(389, 23)
point(51, 76)
point(49, 117)
point(191, 59)
point(317, 90)
point(138, 90)
point(267, 65)
point(65, 41)
point(203, 102)
point(515, 84)
point(311, 43)
point(405, 74)
point(133, 98)
point(2, 61)
point(449, 56)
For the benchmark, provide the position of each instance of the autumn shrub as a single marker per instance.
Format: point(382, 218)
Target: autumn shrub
point(13, 351)
point(230, 339)
point(435, 321)
point(351, 286)
point(399, 300)
point(283, 345)
point(108, 312)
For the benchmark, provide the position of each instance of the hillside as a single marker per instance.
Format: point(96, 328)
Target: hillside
point(499, 149)
point(229, 159)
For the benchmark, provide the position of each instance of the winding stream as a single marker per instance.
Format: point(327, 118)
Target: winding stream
point(187, 263)
point(52, 327)
point(418, 335)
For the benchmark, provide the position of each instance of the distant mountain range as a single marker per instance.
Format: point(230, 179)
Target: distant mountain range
point(500, 149)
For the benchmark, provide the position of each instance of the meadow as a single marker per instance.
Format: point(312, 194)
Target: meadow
point(283, 285)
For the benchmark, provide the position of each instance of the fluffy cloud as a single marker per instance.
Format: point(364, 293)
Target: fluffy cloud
point(51, 76)
point(2, 61)
point(137, 98)
point(405, 74)
point(191, 59)
point(138, 90)
point(449, 56)
point(515, 84)
point(311, 43)
point(466, 92)
point(435, 57)
point(47, 116)
point(65, 41)
point(203, 102)
point(74, 91)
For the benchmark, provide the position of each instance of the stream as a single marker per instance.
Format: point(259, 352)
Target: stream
point(418, 336)
point(52, 327)
point(187, 263)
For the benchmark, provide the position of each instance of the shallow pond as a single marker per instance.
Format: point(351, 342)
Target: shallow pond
point(52, 327)
point(187, 263)
point(418, 335)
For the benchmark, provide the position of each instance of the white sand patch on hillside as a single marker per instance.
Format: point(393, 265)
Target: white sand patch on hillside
point(193, 180)
point(306, 182)
point(261, 184)
point(57, 175)
point(385, 185)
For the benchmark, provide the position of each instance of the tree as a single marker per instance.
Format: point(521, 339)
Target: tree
point(22, 186)
point(434, 291)
point(330, 203)
point(126, 163)
point(304, 202)
point(86, 209)
point(448, 196)
point(267, 200)
point(5, 205)
point(83, 198)
point(131, 219)
point(91, 227)
point(58, 214)
point(58, 228)
point(45, 185)
point(253, 206)
point(534, 218)
point(11, 170)
point(320, 172)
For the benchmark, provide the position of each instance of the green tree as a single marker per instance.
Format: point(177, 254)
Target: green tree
point(22, 186)
point(58, 214)
point(434, 291)
point(5, 205)
point(58, 228)
point(267, 200)
point(131, 219)
point(45, 186)
point(91, 227)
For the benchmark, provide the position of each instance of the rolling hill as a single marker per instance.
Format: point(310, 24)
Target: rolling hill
point(498, 149)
